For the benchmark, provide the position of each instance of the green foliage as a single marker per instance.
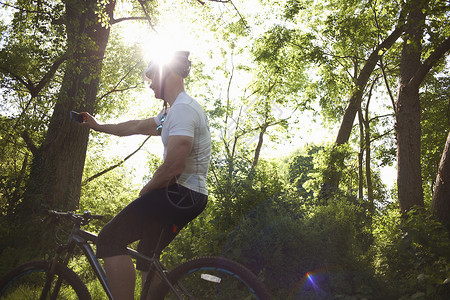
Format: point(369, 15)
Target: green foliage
point(30, 48)
point(300, 170)
point(35, 38)
point(31, 45)
point(336, 44)
point(283, 243)
point(108, 194)
point(14, 167)
point(232, 199)
point(435, 123)
point(322, 173)
point(121, 80)
point(412, 255)
point(237, 188)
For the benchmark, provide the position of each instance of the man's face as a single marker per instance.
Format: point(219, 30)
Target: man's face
point(156, 84)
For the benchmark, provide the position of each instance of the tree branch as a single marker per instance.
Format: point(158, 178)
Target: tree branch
point(30, 144)
point(386, 82)
point(28, 84)
point(114, 89)
point(34, 91)
point(116, 165)
point(381, 60)
point(423, 70)
point(227, 1)
point(381, 135)
point(43, 82)
point(379, 117)
point(115, 21)
point(147, 15)
point(228, 94)
point(350, 112)
point(32, 88)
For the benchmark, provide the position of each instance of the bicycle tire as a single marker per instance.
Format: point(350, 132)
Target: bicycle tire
point(212, 278)
point(27, 282)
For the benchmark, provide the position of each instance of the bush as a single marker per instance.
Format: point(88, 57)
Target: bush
point(303, 256)
point(412, 255)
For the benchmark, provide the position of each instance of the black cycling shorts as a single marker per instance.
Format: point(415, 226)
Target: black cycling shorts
point(146, 217)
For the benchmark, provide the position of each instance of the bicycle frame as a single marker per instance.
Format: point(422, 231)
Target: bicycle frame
point(201, 277)
point(81, 238)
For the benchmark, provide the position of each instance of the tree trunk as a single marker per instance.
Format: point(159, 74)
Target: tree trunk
point(412, 74)
point(361, 157)
point(57, 169)
point(408, 127)
point(332, 176)
point(440, 204)
point(370, 196)
point(355, 98)
point(259, 145)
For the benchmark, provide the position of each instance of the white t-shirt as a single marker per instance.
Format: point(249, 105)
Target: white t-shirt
point(186, 117)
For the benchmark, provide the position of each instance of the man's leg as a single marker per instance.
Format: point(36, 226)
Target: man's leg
point(121, 276)
point(153, 285)
point(147, 246)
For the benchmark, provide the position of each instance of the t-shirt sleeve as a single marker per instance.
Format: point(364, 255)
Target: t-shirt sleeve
point(184, 120)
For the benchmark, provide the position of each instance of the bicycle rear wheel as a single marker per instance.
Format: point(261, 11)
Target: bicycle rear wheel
point(212, 278)
point(27, 282)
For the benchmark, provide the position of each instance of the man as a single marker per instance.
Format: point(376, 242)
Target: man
point(179, 182)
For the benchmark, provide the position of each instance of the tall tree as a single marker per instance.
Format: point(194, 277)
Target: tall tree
point(440, 204)
point(354, 102)
point(415, 63)
point(60, 159)
point(340, 43)
point(408, 108)
point(408, 127)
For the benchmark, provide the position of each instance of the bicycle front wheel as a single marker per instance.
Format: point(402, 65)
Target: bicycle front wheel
point(27, 282)
point(212, 278)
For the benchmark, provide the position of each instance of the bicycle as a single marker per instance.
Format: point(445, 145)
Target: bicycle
point(198, 278)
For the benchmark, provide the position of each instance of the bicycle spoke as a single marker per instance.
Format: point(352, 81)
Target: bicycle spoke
point(33, 283)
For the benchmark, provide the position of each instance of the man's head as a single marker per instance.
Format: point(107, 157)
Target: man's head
point(177, 63)
point(168, 74)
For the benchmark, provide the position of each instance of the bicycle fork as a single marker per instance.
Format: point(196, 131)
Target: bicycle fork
point(81, 238)
point(53, 271)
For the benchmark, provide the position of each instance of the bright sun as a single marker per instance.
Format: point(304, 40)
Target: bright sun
point(171, 36)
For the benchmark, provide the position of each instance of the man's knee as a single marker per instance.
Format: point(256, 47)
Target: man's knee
point(108, 244)
point(104, 236)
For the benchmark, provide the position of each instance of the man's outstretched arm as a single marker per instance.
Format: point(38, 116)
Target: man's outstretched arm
point(146, 126)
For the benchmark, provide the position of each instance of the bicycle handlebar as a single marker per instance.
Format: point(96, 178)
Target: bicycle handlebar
point(82, 219)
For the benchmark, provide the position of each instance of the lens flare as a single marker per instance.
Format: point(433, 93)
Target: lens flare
point(310, 283)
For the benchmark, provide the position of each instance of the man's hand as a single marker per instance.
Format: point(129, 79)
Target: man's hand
point(89, 121)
